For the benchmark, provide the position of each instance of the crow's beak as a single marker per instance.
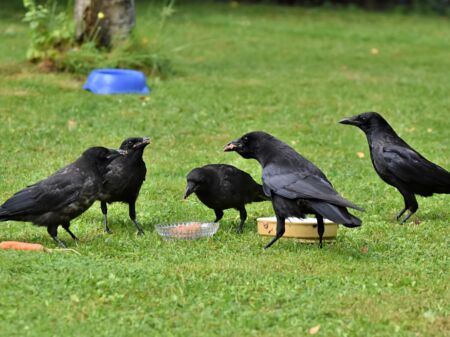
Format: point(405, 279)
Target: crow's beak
point(190, 188)
point(349, 121)
point(232, 146)
point(144, 143)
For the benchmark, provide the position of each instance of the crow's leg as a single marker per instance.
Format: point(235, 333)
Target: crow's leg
point(401, 212)
point(66, 227)
point(410, 204)
point(320, 228)
point(406, 218)
point(219, 214)
point(412, 210)
point(280, 231)
point(104, 208)
point(243, 216)
point(132, 213)
point(53, 232)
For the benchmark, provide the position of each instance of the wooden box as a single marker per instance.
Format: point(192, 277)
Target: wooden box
point(303, 229)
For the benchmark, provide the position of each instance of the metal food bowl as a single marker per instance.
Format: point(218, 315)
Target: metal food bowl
point(187, 230)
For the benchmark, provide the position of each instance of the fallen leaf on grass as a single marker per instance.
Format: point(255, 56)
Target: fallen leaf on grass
point(314, 329)
point(429, 316)
point(74, 298)
point(429, 130)
point(360, 154)
point(71, 124)
point(374, 51)
point(364, 249)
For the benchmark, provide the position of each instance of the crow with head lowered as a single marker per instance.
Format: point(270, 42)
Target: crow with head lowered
point(294, 184)
point(63, 196)
point(221, 186)
point(398, 164)
point(124, 179)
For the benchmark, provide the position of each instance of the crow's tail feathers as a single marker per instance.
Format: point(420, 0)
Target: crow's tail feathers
point(444, 181)
point(337, 214)
point(259, 194)
point(431, 179)
point(3, 214)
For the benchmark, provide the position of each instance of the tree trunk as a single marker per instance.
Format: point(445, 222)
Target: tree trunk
point(103, 21)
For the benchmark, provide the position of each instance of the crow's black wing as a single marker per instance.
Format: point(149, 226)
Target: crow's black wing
point(238, 184)
point(412, 168)
point(117, 177)
point(50, 194)
point(230, 180)
point(293, 185)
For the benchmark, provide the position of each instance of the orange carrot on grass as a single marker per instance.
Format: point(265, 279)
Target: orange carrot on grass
point(16, 245)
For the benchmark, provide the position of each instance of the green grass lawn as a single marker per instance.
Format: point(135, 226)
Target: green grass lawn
point(289, 71)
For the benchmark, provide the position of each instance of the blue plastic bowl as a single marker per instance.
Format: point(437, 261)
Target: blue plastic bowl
point(116, 81)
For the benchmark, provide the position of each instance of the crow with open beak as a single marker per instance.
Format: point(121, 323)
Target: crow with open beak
point(295, 185)
point(124, 179)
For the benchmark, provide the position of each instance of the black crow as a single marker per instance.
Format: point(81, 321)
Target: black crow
point(295, 185)
point(221, 186)
point(398, 164)
point(124, 179)
point(63, 196)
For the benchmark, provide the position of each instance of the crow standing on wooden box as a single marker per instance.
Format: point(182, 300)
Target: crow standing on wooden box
point(398, 164)
point(124, 179)
point(221, 186)
point(295, 185)
point(62, 196)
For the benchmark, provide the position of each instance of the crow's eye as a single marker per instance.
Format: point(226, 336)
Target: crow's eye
point(245, 139)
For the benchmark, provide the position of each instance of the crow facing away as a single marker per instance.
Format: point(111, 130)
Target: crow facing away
point(398, 164)
point(295, 185)
point(62, 196)
point(221, 186)
point(124, 179)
